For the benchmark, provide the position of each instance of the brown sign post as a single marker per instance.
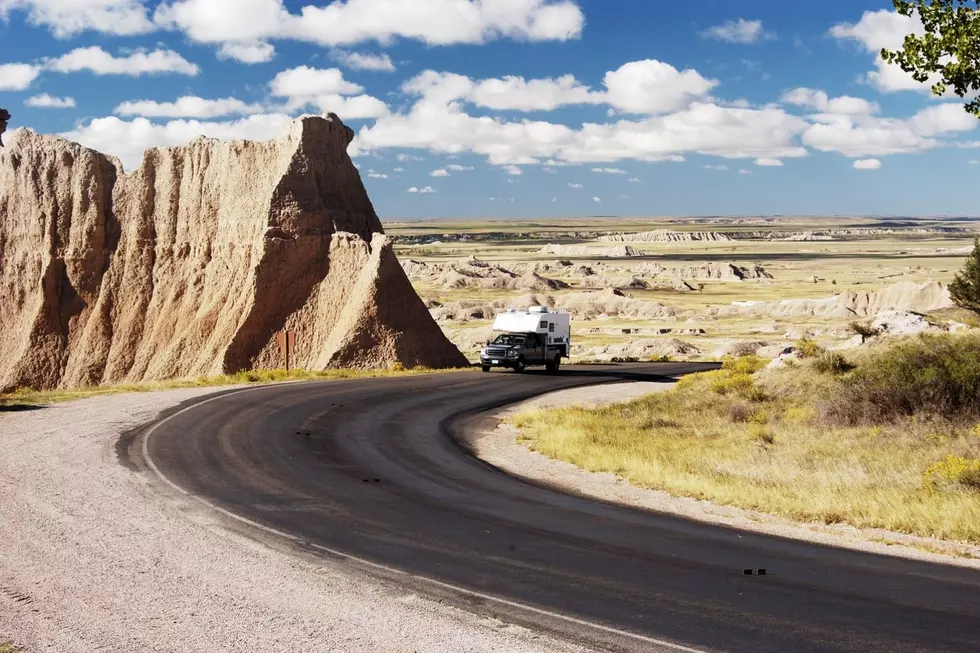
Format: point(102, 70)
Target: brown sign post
point(287, 345)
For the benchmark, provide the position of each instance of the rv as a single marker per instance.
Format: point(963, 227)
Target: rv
point(536, 336)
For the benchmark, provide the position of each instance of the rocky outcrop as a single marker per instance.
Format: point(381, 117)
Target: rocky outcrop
point(621, 251)
point(192, 263)
point(666, 236)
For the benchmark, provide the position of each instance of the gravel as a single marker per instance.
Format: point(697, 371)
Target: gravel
point(500, 448)
point(94, 558)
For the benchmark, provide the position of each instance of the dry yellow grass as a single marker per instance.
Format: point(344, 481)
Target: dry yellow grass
point(28, 396)
point(752, 449)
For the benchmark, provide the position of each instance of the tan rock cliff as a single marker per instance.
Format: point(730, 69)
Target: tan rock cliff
point(192, 263)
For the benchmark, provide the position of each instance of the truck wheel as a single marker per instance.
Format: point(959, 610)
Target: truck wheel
point(485, 368)
point(520, 365)
point(553, 366)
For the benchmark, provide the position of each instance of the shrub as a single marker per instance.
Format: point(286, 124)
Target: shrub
point(832, 362)
point(733, 383)
point(744, 365)
point(965, 289)
point(932, 375)
point(864, 329)
point(761, 434)
point(397, 366)
point(739, 413)
point(954, 470)
point(808, 348)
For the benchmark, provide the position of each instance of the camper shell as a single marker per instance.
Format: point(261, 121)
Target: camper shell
point(537, 336)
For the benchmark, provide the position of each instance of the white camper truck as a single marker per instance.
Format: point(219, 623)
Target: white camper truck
point(536, 336)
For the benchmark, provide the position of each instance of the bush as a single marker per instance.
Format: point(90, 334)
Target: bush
point(832, 362)
point(739, 413)
point(744, 365)
point(954, 470)
point(932, 375)
point(735, 383)
point(808, 348)
point(865, 330)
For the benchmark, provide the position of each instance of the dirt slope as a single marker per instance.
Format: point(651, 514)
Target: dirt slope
point(190, 264)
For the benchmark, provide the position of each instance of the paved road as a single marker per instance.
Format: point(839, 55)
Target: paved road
point(370, 468)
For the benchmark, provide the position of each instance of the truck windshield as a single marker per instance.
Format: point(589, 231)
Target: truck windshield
point(509, 339)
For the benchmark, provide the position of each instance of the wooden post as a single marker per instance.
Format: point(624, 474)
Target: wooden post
point(287, 344)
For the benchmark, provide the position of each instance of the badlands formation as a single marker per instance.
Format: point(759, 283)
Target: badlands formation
point(191, 264)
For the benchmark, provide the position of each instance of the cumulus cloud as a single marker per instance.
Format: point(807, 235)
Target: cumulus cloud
point(455, 167)
point(719, 167)
point(575, 186)
point(376, 175)
point(610, 171)
point(597, 200)
point(635, 180)
point(441, 172)
point(884, 29)
point(189, 106)
point(821, 102)
point(739, 31)
point(743, 171)
point(652, 86)
point(425, 190)
point(514, 171)
point(363, 61)
point(434, 22)
point(127, 139)
point(45, 101)
point(328, 91)
point(66, 18)
point(764, 162)
point(867, 164)
point(96, 60)
point(17, 76)
point(250, 52)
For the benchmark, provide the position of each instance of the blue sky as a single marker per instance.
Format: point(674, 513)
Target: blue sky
point(518, 108)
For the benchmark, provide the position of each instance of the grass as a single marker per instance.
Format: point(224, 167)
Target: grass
point(30, 397)
point(760, 440)
point(8, 647)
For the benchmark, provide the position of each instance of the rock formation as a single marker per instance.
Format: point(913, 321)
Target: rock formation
point(192, 263)
point(666, 236)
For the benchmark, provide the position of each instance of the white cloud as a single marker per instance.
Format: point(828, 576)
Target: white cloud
point(189, 106)
point(867, 164)
point(441, 172)
point(516, 93)
point(738, 31)
point(17, 76)
point(249, 52)
point(305, 81)
point(127, 139)
point(575, 186)
point(635, 180)
point(455, 167)
point(820, 101)
point(326, 90)
point(434, 22)
point(363, 61)
point(764, 162)
point(409, 157)
point(67, 18)
point(719, 168)
point(554, 199)
point(427, 189)
point(514, 171)
point(96, 60)
point(973, 162)
point(884, 29)
point(654, 87)
point(743, 171)
point(597, 200)
point(45, 101)
point(862, 136)
point(376, 175)
point(398, 169)
point(610, 171)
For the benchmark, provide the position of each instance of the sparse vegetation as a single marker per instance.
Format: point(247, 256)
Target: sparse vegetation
point(28, 396)
point(864, 329)
point(8, 647)
point(764, 439)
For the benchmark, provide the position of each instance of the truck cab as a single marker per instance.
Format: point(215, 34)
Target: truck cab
point(524, 338)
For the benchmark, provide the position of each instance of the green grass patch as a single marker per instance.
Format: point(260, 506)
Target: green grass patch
point(30, 397)
point(764, 440)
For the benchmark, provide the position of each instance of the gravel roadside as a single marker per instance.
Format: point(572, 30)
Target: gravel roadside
point(500, 448)
point(92, 558)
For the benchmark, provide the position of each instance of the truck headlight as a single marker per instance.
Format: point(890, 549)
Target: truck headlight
point(483, 352)
point(511, 354)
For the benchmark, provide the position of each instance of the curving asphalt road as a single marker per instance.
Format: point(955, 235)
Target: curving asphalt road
point(369, 470)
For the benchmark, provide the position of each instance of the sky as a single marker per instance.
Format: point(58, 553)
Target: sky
point(518, 108)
